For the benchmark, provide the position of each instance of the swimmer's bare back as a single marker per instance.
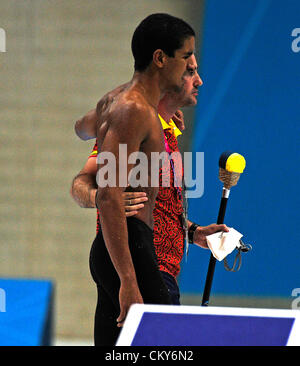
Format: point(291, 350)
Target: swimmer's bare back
point(124, 116)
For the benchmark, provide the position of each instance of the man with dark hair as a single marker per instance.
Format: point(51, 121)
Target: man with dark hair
point(158, 31)
point(168, 207)
point(122, 258)
point(168, 229)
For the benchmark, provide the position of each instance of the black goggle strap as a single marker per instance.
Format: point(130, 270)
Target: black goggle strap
point(238, 258)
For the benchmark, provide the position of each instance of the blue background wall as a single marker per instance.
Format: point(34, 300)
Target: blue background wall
point(249, 103)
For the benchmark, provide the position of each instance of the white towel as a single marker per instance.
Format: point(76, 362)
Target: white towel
point(223, 243)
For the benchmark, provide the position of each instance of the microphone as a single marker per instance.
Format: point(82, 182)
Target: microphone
point(231, 165)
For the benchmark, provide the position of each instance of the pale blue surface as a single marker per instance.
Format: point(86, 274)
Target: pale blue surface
point(25, 321)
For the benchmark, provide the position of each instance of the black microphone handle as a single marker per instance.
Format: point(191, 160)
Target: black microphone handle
point(212, 261)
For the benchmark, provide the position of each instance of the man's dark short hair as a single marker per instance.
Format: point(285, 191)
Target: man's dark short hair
point(158, 31)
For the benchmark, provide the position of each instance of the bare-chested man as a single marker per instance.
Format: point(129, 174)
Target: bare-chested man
point(122, 258)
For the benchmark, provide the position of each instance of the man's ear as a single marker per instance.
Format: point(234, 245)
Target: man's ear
point(159, 58)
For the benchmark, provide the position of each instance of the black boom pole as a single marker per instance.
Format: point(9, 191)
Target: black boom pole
point(212, 260)
point(230, 167)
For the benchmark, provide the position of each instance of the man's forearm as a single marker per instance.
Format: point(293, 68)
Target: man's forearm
point(83, 190)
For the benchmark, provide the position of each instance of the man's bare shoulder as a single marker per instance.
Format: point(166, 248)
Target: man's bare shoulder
point(132, 102)
point(130, 107)
point(126, 112)
point(109, 97)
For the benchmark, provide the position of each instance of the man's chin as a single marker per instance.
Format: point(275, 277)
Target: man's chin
point(194, 100)
point(191, 102)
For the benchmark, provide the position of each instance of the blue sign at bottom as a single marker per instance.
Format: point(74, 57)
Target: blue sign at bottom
point(156, 325)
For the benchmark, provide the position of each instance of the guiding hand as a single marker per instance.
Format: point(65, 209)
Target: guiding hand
point(134, 202)
point(203, 231)
point(178, 119)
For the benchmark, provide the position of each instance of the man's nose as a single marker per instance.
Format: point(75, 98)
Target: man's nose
point(198, 81)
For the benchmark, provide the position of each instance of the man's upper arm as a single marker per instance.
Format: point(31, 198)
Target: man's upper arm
point(128, 127)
